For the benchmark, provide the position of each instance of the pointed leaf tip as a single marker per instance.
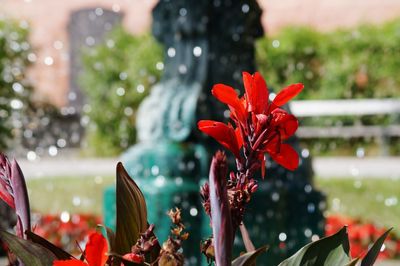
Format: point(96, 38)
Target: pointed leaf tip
point(373, 252)
point(131, 212)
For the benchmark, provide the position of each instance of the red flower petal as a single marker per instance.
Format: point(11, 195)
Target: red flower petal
point(287, 94)
point(228, 95)
point(287, 157)
point(69, 263)
point(96, 249)
point(224, 134)
point(133, 258)
point(239, 137)
point(287, 124)
point(256, 92)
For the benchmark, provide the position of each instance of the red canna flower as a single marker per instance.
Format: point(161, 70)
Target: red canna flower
point(261, 126)
point(95, 253)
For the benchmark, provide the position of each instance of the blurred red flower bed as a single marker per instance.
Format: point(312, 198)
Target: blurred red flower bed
point(362, 234)
point(66, 233)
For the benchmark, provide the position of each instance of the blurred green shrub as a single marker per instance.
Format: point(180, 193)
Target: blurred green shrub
point(356, 63)
point(15, 58)
point(117, 76)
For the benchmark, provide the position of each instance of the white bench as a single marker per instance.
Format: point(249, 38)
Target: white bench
point(324, 108)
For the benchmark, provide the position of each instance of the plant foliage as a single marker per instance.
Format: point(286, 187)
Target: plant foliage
point(117, 76)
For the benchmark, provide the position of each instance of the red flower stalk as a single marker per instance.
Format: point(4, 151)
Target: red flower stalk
point(13, 191)
point(260, 126)
point(95, 253)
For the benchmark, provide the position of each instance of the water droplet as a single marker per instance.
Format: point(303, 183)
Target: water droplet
point(123, 76)
point(128, 111)
point(17, 87)
point(197, 51)
point(116, 8)
point(171, 52)
point(76, 201)
point(305, 153)
point(98, 180)
point(360, 152)
point(276, 43)
point(58, 45)
point(48, 60)
point(90, 41)
point(31, 156)
point(193, 211)
point(160, 181)
point(32, 57)
point(120, 91)
point(99, 11)
point(182, 12)
point(311, 207)
point(61, 143)
point(392, 201)
point(178, 181)
point(275, 196)
point(155, 170)
point(53, 150)
point(314, 238)
point(160, 65)
point(336, 204)
point(65, 217)
point(16, 104)
point(282, 236)
point(182, 69)
point(308, 232)
point(140, 88)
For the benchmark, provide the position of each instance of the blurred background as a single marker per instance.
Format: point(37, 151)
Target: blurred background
point(73, 73)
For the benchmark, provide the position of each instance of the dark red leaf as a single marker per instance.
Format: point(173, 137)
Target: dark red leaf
point(220, 211)
point(21, 199)
point(131, 212)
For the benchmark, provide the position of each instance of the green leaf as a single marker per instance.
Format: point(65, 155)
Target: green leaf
point(249, 258)
point(373, 252)
point(58, 252)
point(131, 212)
point(332, 250)
point(28, 252)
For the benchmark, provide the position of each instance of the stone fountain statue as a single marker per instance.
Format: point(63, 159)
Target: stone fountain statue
point(206, 42)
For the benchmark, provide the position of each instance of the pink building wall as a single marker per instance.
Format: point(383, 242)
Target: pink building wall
point(49, 19)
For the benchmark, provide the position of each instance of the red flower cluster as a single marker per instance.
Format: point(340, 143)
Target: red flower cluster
point(260, 125)
point(65, 234)
point(361, 235)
